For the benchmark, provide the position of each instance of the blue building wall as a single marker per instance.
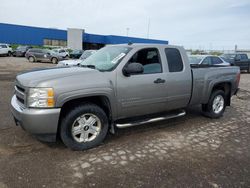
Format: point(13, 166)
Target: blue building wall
point(18, 34)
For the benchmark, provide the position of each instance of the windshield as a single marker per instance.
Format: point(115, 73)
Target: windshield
point(195, 59)
point(86, 54)
point(107, 58)
point(76, 51)
point(228, 56)
point(21, 47)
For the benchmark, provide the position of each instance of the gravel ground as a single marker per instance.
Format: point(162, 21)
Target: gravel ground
point(192, 151)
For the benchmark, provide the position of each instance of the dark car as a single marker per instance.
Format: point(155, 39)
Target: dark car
point(21, 50)
point(45, 55)
point(76, 54)
point(238, 59)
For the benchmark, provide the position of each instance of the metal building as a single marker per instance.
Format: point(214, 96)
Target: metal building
point(72, 38)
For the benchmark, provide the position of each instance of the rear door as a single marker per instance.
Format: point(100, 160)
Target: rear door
point(179, 79)
point(39, 54)
point(145, 93)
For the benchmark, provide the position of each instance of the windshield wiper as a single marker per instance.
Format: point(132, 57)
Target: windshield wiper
point(88, 66)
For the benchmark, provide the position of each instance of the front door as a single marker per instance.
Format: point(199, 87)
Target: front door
point(144, 93)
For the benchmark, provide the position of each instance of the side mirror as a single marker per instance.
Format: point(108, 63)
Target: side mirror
point(48, 53)
point(133, 68)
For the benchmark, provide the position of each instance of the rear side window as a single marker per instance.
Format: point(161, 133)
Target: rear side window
point(175, 63)
point(216, 60)
point(37, 51)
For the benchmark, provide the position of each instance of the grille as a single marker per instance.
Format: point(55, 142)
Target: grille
point(20, 99)
point(20, 93)
point(20, 88)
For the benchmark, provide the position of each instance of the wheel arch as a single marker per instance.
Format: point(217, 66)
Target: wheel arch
point(226, 87)
point(100, 100)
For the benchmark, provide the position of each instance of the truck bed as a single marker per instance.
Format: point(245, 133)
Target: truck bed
point(204, 78)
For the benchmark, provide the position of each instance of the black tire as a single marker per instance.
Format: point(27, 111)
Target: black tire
point(31, 59)
point(69, 119)
point(208, 108)
point(54, 60)
point(9, 53)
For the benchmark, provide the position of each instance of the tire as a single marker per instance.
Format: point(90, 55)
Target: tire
point(54, 60)
point(31, 59)
point(9, 54)
point(216, 105)
point(83, 139)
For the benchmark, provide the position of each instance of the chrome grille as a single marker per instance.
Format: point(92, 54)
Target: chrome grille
point(20, 93)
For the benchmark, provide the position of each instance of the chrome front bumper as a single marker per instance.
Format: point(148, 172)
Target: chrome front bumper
point(35, 121)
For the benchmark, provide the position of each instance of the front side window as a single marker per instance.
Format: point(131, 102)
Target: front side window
point(174, 59)
point(207, 61)
point(150, 60)
point(238, 57)
point(107, 58)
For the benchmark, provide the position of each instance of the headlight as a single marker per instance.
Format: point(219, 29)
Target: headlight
point(41, 98)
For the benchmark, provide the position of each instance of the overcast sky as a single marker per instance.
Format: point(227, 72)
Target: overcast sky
point(203, 24)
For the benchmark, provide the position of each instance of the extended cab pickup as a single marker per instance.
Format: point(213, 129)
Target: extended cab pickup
point(118, 86)
point(238, 59)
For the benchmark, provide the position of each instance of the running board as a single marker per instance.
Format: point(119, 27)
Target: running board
point(151, 120)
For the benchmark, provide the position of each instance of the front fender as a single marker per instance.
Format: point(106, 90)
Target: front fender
point(93, 92)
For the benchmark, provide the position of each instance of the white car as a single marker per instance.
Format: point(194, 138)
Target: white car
point(5, 49)
point(62, 52)
point(76, 62)
point(209, 60)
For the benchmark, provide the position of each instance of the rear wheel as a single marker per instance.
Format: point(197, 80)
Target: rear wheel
point(84, 127)
point(216, 105)
point(54, 60)
point(31, 59)
point(9, 54)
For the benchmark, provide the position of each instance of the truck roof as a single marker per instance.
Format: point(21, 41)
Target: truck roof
point(145, 44)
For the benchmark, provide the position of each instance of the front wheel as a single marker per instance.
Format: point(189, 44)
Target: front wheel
point(54, 60)
point(31, 59)
point(216, 105)
point(84, 127)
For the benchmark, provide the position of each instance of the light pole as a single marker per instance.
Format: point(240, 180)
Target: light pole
point(127, 31)
point(148, 27)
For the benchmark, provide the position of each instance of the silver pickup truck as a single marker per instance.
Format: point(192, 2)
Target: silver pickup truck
point(118, 86)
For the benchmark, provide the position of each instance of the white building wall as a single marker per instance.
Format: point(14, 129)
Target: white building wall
point(74, 38)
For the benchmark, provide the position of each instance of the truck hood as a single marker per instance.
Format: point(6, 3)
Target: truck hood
point(34, 77)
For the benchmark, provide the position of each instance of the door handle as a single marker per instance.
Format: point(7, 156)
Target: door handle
point(159, 80)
